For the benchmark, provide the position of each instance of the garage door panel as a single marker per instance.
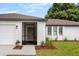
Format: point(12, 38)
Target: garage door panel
point(7, 34)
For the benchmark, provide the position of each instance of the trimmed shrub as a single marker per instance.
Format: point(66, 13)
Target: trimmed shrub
point(75, 39)
point(65, 39)
point(56, 39)
point(42, 43)
point(17, 43)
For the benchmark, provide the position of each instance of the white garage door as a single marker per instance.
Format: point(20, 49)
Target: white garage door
point(7, 34)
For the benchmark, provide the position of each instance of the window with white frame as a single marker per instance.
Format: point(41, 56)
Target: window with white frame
point(49, 30)
point(54, 30)
point(60, 30)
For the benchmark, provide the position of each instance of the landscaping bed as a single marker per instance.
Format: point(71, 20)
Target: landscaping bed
point(18, 47)
point(43, 47)
point(63, 48)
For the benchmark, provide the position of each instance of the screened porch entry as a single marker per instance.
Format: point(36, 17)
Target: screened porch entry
point(29, 33)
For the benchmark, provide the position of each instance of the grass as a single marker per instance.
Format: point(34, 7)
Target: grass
point(63, 48)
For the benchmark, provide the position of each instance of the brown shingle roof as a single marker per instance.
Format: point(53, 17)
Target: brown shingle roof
point(61, 22)
point(18, 17)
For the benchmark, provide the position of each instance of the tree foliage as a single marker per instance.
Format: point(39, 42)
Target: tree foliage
point(68, 11)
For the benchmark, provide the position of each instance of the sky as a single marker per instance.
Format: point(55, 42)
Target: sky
point(32, 9)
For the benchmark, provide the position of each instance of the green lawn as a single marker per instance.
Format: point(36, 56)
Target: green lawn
point(62, 49)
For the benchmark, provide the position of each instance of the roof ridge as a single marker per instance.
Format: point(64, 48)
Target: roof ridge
point(21, 14)
point(63, 20)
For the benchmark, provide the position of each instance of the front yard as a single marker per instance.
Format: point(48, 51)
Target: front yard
point(63, 48)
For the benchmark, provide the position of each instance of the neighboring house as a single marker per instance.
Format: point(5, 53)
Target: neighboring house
point(34, 30)
point(61, 29)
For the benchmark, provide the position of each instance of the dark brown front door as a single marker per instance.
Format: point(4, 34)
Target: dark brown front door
point(30, 34)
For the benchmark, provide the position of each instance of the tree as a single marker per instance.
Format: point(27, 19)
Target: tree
point(68, 11)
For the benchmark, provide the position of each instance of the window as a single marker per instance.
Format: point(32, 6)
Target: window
point(49, 30)
point(55, 30)
point(60, 30)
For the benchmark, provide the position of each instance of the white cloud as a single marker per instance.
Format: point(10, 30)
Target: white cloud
point(7, 11)
point(31, 11)
point(36, 9)
point(33, 6)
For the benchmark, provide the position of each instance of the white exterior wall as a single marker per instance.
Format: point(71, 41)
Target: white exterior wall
point(18, 30)
point(40, 32)
point(69, 32)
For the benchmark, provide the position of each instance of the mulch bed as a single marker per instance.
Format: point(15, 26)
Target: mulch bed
point(44, 47)
point(18, 47)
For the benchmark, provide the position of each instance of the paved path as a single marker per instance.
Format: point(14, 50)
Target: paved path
point(26, 50)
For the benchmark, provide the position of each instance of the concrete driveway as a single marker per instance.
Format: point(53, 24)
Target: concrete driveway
point(8, 50)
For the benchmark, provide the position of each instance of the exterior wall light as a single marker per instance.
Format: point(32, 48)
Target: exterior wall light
point(16, 26)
